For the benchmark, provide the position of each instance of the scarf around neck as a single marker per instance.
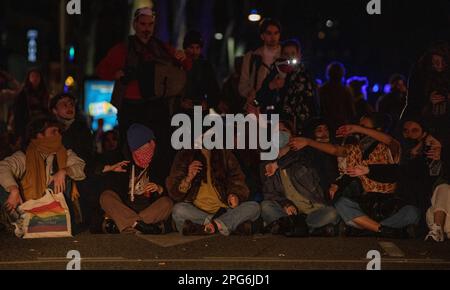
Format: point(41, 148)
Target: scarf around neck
point(34, 181)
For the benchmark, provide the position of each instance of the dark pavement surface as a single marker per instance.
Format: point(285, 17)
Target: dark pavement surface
point(110, 252)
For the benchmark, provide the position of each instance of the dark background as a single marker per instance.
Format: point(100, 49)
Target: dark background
point(369, 45)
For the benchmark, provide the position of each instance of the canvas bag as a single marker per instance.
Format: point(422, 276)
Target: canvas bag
point(47, 217)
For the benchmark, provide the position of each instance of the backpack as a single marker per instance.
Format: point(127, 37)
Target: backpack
point(169, 80)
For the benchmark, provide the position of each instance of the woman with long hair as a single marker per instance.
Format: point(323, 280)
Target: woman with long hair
point(32, 101)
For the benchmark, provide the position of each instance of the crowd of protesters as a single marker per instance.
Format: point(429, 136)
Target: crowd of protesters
point(344, 167)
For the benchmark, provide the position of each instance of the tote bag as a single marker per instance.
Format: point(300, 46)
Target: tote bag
point(47, 217)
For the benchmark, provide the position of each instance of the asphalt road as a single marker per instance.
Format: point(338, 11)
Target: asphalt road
point(173, 252)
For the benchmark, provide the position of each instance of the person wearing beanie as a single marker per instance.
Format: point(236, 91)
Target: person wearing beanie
point(134, 198)
point(202, 87)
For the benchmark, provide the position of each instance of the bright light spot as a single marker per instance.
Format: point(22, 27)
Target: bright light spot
point(330, 23)
point(322, 35)
point(387, 88)
point(69, 81)
point(71, 53)
point(218, 36)
point(254, 16)
point(376, 88)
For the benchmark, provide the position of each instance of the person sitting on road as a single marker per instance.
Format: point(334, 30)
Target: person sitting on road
point(210, 188)
point(362, 210)
point(46, 163)
point(291, 188)
point(135, 199)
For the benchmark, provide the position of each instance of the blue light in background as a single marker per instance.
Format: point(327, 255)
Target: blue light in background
point(71, 54)
point(376, 88)
point(387, 88)
point(98, 104)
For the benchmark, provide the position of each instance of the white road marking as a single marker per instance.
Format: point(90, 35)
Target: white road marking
point(242, 260)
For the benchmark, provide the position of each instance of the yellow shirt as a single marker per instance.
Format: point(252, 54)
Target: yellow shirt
point(208, 197)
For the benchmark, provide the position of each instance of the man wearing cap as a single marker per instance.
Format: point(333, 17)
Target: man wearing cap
point(202, 88)
point(135, 198)
point(135, 65)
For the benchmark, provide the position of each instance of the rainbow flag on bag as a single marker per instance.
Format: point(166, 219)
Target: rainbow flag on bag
point(48, 217)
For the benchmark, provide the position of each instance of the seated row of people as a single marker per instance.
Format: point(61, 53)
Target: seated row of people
point(206, 191)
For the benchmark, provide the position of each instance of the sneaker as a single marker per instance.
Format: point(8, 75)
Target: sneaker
point(110, 227)
point(327, 231)
point(436, 233)
point(9, 220)
point(148, 229)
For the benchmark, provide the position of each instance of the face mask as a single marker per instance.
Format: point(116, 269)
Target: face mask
point(284, 139)
point(144, 156)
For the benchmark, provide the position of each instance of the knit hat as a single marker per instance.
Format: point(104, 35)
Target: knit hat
point(138, 135)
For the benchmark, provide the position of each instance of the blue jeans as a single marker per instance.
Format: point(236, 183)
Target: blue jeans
point(350, 210)
point(247, 211)
point(272, 211)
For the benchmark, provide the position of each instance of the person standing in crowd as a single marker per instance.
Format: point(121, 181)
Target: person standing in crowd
point(145, 70)
point(31, 103)
point(336, 101)
point(429, 91)
point(289, 89)
point(393, 104)
point(429, 81)
point(257, 64)
point(358, 86)
point(139, 204)
point(202, 88)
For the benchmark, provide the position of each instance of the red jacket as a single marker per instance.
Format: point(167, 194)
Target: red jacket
point(115, 60)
